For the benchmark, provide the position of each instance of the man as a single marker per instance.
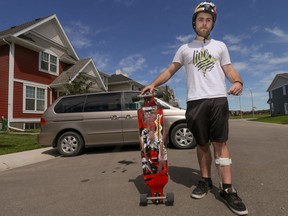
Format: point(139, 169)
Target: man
point(207, 63)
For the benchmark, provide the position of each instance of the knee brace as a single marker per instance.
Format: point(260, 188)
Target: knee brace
point(223, 161)
point(220, 162)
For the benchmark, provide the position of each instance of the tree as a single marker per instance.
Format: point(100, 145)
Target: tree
point(80, 85)
point(166, 94)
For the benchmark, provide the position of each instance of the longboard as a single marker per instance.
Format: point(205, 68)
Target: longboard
point(153, 151)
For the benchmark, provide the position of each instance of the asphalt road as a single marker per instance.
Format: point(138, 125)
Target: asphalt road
point(108, 181)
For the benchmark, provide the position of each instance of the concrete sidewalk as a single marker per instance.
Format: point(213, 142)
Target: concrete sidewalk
point(19, 159)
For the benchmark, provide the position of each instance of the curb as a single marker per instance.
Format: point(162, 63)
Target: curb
point(20, 159)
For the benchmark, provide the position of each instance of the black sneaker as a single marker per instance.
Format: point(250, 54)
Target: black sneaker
point(233, 201)
point(201, 189)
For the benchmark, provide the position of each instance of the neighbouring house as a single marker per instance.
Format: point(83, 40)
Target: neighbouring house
point(121, 81)
point(278, 95)
point(169, 95)
point(36, 61)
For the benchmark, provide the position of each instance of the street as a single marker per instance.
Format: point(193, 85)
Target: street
point(108, 181)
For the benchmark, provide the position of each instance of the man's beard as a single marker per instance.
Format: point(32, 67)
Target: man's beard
point(205, 34)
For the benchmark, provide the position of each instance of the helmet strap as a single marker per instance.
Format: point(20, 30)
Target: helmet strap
point(204, 38)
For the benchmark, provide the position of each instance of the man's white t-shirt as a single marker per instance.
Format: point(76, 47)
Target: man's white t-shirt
point(203, 61)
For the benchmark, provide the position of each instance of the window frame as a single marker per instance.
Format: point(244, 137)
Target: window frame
point(49, 62)
point(36, 99)
point(103, 102)
point(70, 104)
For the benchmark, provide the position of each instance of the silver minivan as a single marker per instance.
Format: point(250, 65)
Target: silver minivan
point(75, 122)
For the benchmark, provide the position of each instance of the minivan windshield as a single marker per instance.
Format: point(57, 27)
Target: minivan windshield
point(163, 104)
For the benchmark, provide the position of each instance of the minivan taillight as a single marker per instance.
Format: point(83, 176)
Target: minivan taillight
point(43, 121)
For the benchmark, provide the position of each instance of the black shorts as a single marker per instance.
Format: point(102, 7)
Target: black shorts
point(207, 119)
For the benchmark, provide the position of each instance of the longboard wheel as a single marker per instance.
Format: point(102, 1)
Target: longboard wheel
point(169, 199)
point(143, 200)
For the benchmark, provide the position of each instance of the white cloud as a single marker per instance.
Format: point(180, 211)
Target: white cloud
point(239, 49)
point(185, 38)
point(269, 58)
point(231, 39)
point(278, 32)
point(267, 79)
point(78, 33)
point(240, 66)
point(156, 70)
point(132, 63)
point(101, 60)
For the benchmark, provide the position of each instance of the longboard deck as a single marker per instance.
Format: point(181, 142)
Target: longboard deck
point(153, 149)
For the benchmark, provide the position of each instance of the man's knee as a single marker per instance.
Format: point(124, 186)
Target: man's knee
point(223, 161)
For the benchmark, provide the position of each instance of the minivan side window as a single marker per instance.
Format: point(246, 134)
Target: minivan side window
point(103, 102)
point(129, 104)
point(70, 104)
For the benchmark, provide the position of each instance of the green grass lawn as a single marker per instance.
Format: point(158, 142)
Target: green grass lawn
point(11, 142)
point(274, 119)
point(264, 118)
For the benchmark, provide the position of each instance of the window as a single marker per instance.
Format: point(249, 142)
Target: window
point(103, 102)
point(34, 98)
point(70, 105)
point(284, 90)
point(130, 104)
point(31, 125)
point(48, 62)
point(286, 108)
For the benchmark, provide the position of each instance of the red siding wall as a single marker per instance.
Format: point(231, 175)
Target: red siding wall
point(4, 75)
point(26, 66)
point(18, 103)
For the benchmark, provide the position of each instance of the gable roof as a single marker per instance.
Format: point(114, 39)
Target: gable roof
point(116, 79)
point(278, 81)
point(16, 29)
point(40, 28)
point(47, 33)
point(84, 65)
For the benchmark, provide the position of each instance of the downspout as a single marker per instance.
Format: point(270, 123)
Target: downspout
point(6, 41)
point(10, 111)
point(50, 96)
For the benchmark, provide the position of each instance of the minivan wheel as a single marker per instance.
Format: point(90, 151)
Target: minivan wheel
point(181, 137)
point(70, 144)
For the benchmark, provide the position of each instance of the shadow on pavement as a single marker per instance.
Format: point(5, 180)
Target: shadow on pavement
point(53, 152)
point(183, 175)
point(111, 149)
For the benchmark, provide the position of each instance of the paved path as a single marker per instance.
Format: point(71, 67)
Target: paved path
point(19, 159)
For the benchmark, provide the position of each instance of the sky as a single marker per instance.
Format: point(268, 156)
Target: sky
point(140, 37)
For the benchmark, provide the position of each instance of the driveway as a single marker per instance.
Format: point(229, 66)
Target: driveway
point(108, 181)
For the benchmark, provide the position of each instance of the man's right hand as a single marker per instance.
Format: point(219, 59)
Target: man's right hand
point(149, 88)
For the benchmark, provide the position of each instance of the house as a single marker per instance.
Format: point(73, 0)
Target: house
point(169, 95)
point(120, 81)
point(278, 95)
point(36, 60)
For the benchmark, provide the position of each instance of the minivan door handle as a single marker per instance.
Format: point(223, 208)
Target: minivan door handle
point(114, 117)
point(129, 116)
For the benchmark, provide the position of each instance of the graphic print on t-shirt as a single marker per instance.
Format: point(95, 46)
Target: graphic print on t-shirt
point(203, 61)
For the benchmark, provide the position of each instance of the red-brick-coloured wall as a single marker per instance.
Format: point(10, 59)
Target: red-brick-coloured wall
point(4, 80)
point(26, 66)
point(26, 69)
